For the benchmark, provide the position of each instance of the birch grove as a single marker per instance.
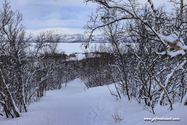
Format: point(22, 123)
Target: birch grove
point(156, 33)
point(29, 66)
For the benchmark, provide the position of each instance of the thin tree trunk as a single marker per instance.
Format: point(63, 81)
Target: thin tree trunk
point(156, 19)
point(123, 70)
point(165, 92)
point(116, 87)
point(181, 11)
point(127, 89)
point(12, 103)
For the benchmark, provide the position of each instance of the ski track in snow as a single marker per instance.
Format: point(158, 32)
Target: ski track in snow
point(76, 105)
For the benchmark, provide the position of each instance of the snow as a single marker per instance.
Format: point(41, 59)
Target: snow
point(76, 105)
point(184, 99)
point(173, 54)
point(70, 48)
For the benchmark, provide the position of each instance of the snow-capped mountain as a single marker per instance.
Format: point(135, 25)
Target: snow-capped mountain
point(77, 38)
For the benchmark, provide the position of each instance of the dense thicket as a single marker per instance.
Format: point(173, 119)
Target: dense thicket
point(134, 72)
point(152, 68)
point(29, 65)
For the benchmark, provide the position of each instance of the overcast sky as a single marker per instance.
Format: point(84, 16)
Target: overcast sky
point(63, 16)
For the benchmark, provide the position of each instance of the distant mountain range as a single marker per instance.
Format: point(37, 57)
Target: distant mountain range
point(78, 38)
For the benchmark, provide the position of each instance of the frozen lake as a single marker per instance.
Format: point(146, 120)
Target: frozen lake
point(69, 48)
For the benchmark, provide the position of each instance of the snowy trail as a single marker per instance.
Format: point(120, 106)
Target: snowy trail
point(76, 105)
point(72, 105)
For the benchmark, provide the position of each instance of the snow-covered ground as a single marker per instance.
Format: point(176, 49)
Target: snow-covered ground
point(76, 105)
